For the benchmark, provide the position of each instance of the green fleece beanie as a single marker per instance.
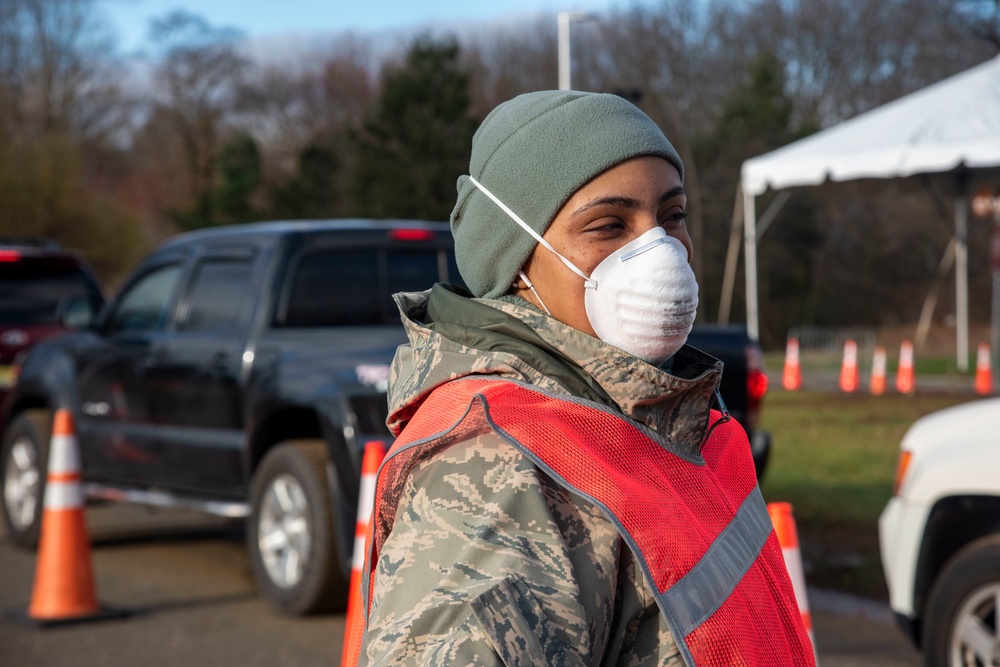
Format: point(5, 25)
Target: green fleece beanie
point(533, 152)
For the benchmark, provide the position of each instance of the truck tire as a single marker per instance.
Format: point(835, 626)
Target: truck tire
point(962, 609)
point(290, 535)
point(25, 453)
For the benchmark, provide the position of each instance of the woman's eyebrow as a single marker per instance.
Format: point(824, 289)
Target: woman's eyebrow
point(679, 191)
point(627, 202)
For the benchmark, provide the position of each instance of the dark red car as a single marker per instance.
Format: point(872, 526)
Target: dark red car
point(44, 290)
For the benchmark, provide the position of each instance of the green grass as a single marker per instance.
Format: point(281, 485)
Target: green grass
point(834, 457)
point(774, 361)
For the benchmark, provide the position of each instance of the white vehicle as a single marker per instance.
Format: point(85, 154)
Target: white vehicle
point(940, 535)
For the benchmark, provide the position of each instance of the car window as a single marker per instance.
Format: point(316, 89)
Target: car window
point(31, 295)
point(355, 287)
point(219, 295)
point(144, 306)
point(335, 288)
point(411, 270)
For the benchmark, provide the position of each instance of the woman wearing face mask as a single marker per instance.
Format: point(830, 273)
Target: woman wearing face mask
point(561, 490)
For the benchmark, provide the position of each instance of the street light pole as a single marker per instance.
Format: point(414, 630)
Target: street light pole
point(564, 19)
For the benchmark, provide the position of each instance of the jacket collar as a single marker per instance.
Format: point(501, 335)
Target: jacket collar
point(674, 404)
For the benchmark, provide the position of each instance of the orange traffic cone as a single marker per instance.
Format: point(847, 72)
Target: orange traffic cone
point(984, 372)
point(64, 582)
point(905, 379)
point(791, 379)
point(374, 453)
point(788, 538)
point(849, 368)
point(878, 372)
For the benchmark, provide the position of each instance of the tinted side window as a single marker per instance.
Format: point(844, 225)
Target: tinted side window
point(335, 288)
point(219, 295)
point(355, 287)
point(411, 271)
point(144, 307)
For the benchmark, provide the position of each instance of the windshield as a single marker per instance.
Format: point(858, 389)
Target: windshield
point(31, 295)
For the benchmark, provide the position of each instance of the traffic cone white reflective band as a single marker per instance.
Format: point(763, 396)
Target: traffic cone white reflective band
point(64, 454)
point(849, 368)
point(791, 378)
point(374, 453)
point(905, 378)
point(878, 371)
point(63, 488)
point(63, 494)
point(984, 371)
point(788, 538)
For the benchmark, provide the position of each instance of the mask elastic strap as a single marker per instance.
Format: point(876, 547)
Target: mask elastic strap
point(532, 288)
point(538, 237)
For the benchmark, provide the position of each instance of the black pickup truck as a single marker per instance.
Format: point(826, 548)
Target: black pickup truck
point(744, 381)
point(239, 372)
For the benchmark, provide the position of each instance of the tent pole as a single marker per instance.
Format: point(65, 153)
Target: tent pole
point(750, 262)
point(772, 212)
point(927, 311)
point(962, 282)
point(732, 257)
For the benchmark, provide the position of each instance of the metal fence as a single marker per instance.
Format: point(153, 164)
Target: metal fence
point(821, 349)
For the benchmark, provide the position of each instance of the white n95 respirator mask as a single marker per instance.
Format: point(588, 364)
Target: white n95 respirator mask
point(642, 298)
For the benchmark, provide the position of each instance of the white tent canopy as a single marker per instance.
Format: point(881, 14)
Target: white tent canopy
point(952, 123)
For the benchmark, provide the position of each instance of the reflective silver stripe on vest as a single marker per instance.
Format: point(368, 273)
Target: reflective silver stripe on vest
point(699, 593)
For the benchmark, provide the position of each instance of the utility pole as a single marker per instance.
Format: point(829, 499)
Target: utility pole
point(564, 19)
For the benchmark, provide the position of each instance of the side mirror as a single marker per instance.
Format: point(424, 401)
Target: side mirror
point(77, 312)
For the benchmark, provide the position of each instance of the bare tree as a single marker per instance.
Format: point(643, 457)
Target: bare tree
point(58, 72)
point(510, 60)
point(982, 20)
point(196, 82)
point(844, 57)
point(288, 106)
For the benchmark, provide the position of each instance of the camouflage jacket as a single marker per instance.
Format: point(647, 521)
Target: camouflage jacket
point(491, 562)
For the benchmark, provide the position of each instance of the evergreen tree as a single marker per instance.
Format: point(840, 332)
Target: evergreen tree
point(412, 150)
point(312, 192)
point(238, 174)
point(757, 117)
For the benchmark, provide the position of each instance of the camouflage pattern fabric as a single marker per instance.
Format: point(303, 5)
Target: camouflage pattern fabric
point(491, 562)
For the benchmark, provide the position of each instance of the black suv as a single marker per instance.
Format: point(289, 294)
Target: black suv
point(239, 371)
point(44, 290)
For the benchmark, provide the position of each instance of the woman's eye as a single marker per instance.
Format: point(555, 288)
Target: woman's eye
point(608, 225)
point(674, 219)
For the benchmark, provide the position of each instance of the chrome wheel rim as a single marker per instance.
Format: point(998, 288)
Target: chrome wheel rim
point(283, 536)
point(22, 483)
point(975, 635)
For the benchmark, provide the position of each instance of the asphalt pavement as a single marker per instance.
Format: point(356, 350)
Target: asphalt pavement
point(185, 579)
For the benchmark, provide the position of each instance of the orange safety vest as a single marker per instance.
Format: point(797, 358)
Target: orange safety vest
point(698, 527)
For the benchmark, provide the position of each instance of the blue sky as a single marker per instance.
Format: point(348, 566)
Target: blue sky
point(256, 18)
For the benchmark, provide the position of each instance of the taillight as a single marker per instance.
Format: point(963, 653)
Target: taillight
point(902, 465)
point(10, 256)
point(411, 235)
point(757, 380)
point(757, 383)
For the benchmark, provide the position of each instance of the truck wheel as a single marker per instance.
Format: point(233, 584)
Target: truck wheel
point(25, 451)
point(961, 625)
point(290, 534)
